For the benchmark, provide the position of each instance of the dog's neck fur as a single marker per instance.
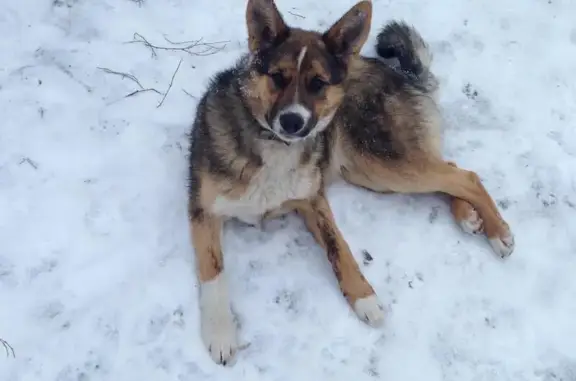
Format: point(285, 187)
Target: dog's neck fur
point(286, 172)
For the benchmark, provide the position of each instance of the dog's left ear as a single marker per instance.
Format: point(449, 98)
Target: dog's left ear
point(266, 27)
point(347, 36)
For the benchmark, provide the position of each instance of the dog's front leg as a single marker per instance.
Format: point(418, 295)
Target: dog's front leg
point(216, 319)
point(356, 289)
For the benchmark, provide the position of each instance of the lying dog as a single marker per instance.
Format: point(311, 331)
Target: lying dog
point(301, 109)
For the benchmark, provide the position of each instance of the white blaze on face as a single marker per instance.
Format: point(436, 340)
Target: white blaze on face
point(301, 57)
point(295, 107)
point(298, 67)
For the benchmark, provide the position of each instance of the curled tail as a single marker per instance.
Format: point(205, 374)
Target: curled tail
point(398, 40)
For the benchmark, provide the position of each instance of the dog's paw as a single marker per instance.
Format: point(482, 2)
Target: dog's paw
point(503, 245)
point(370, 310)
point(220, 335)
point(472, 223)
point(218, 327)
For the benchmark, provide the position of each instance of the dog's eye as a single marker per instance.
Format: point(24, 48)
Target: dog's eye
point(279, 80)
point(316, 84)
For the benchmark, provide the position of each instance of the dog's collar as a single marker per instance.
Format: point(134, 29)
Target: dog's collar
point(266, 134)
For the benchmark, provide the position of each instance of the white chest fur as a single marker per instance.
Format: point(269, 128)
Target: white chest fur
point(281, 178)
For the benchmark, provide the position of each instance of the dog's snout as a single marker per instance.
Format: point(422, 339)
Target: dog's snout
point(291, 122)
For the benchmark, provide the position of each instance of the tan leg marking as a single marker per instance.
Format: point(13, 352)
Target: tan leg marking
point(465, 214)
point(356, 289)
point(205, 231)
point(218, 328)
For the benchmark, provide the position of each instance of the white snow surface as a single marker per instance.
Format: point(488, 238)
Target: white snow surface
point(96, 267)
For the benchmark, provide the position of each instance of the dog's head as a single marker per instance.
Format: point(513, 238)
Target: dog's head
point(296, 76)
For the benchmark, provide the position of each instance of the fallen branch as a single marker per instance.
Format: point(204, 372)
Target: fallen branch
point(142, 88)
point(182, 46)
point(30, 162)
point(8, 348)
point(190, 95)
point(296, 14)
point(133, 79)
point(123, 75)
point(141, 91)
point(189, 47)
point(67, 71)
point(170, 85)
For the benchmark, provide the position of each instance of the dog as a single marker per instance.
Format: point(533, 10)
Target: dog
point(300, 110)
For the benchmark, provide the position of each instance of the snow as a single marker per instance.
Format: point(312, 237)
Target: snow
point(96, 268)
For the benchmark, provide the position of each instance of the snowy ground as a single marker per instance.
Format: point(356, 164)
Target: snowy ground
point(96, 268)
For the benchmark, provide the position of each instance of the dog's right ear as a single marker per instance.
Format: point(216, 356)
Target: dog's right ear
point(266, 27)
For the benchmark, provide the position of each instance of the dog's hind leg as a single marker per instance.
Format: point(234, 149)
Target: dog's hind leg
point(472, 206)
point(465, 214)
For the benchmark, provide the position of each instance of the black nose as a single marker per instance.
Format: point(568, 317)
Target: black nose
point(291, 122)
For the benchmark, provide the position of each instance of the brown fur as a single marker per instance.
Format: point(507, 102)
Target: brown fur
point(205, 230)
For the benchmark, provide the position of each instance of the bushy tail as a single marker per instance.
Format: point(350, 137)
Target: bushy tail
point(398, 40)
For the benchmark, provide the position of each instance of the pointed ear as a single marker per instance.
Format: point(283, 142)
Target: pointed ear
point(347, 36)
point(266, 27)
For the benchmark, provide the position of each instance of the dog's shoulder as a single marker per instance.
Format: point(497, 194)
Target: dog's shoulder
point(227, 78)
point(222, 120)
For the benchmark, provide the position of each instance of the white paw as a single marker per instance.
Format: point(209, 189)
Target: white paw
point(370, 310)
point(217, 322)
point(472, 224)
point(220, 336)
point(503, 246)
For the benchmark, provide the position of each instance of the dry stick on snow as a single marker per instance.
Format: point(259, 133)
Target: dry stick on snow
point(183, 46)
point(133, 79)
point(296, 14)
point(123, 75)
point(31, 162)
point(8, 348)
point(190, 95)
point(142, 89)
point(170, 85)
point(180, 46)
point(193, 43)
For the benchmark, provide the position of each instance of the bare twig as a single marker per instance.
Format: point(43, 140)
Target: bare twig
point(139, 2)
point(198, 42)
point(123, 75)
point(296, 14)
point(183, 46)
point(170, 85)
point(189, 42)
point(190, 95)
point(133, 79)
point(141, 91)
point(8, 348)
point(189, 47)
point(67, 71)
point(30, 162)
